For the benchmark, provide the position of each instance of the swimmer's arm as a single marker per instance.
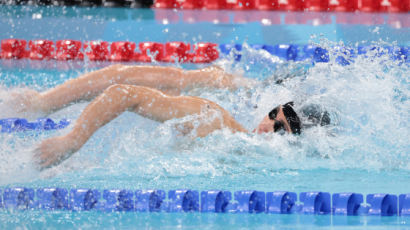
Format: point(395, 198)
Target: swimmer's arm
point(115, 100)
point(170, 80)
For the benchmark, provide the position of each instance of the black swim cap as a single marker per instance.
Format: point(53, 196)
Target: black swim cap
point(292, 117)
point(316, 115)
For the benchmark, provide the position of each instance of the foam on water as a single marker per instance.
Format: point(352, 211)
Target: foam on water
point(367, 100)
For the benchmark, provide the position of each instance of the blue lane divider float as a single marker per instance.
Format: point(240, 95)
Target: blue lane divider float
point(183, 201)
point(344, 55)
point(218, 201)
point(52, 199)
point(10, 125)
point(149, 200)
point(118, 200)
point(404, 204)
point(315, 202)
point(250, 201)
point(346, 203)
point(19, 198)
point(84, 199)
point(382, 204)
point(281, 202)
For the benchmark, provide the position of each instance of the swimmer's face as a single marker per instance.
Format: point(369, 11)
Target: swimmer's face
point(274, 123)
point(265, 126)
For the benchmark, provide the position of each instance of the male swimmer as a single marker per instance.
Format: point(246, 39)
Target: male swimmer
point(150, 91)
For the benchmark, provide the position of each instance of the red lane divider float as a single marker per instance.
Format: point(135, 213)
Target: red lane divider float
point(205, 52)
point(98, 50)
point(122, 51)
point(64, 50)
point(41, 49)
point(289, 5)
point(13, 48)
point(177, 51)
point(69, 50)
point(149, 50)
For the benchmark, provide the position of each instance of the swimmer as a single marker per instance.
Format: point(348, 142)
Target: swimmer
point(152, 92)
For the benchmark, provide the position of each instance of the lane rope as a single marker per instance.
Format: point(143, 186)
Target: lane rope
point(218, 201)
point(11, 125)
point(171, 52)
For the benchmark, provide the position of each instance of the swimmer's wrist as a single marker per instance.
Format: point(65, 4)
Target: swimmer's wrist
point(73, 141)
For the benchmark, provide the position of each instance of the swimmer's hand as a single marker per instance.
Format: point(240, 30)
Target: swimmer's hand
point(53, 151)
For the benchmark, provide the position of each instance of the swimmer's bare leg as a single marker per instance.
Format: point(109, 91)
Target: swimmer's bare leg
point(90, 85)
point(167, 79)
point(112, 102)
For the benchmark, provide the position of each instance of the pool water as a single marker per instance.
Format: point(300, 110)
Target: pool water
point(86, 220)
point(365, 150)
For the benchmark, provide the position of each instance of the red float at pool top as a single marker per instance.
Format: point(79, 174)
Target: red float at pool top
point(290, 5)
point(64, 50)
point(343, 5)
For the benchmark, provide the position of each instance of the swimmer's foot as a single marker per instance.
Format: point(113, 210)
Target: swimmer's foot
point(26, 101)
point(231, 81)
point(240, 81)
point(53, 151)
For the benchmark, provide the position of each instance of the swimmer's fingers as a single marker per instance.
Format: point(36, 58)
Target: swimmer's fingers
point(50, 152)
point(48, 163)
point(37, 156)
point(41, 160)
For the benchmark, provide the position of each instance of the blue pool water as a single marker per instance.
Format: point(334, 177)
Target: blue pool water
point(365, 151)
